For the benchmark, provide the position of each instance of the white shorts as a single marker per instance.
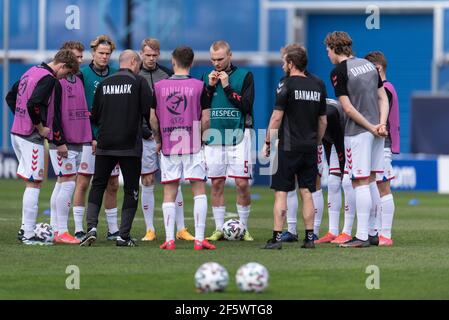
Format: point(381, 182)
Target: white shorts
point(364, 155)
point(31, 158)
point(65, 167)
point(189, 167)
point(87, 166)
point(388, 174)
point(334, 165)
point(230, 161)
point(149, 157)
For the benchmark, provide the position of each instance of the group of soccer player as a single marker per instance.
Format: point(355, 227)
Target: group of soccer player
point(54, 101)
point(356, 134)
point(359, 133)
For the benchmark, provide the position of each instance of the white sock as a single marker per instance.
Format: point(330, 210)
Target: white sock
point(219, 214)
point(349, 204)
point(147, 199)
point(363, 204)
point(63, 203)
point(53, 217)
point(243, 212)
point(375, 208)
point(169, 211)
point(29, 210)
point(292, 211)
point(378, 223)
point(199, 214)
point(318, 203)
point(111, 218)
point(387, 215)
point(334, 202)
point(78, 214)
point(179, 210)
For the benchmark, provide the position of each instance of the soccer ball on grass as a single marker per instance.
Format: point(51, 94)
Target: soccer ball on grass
point(233, 229)
point(211, 277)
point(252, 277)
point(44, 231)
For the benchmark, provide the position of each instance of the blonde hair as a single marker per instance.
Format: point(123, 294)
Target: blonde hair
point(220, 44)
point(102, 39)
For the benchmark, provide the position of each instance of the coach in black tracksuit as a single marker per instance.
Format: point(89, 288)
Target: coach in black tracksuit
point(120, 103)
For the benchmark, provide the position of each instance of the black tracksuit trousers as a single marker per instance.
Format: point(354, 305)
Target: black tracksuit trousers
point(131, 168)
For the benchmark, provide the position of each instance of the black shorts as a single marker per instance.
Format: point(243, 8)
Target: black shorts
point(291, 164)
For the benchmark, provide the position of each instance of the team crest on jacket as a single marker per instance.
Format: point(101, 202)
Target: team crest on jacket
point(84, 165)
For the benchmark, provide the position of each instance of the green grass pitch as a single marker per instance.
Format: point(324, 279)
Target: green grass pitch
point(415, 268)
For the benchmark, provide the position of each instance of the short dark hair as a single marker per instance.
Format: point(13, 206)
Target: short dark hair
point(377, 57)
point(340, 42)
point(184, 56)
point(67, 57)
point(296, 54)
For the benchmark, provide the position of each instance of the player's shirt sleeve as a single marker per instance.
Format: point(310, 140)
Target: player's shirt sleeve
point(146, 97)
point(205, 99)
point(58, 132)
point(281, 95)
point(97, 105)
point(339, 79)
point(40, 96)
point(153, 102)
point(334, 136)
point(11, 97)
point(323, 104)
point(243, 102)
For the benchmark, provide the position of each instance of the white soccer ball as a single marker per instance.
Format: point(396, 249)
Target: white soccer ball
point(211, 277)
point(233, 229)
point(252, 277)
point(44, 231)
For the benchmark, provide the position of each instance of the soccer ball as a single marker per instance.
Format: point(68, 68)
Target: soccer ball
point(252, 277)
point(233, 230)
point(211, 277)
point(44, 231)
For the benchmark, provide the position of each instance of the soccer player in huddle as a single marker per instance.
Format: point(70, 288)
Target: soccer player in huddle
point(392, 145)
point(228, 146)
point(153, 72)
point(92, 74)
point(360, 91)
point(300, 118)
point(74, 131)
point(179, 115)
point(33, 99)
point(333, 151)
